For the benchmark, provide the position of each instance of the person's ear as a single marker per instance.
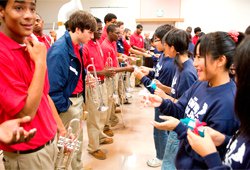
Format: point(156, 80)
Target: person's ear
point(1, 12)
point(221, 61)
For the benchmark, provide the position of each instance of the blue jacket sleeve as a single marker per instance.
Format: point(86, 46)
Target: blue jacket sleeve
point(58, 75)
point(146, 82)
point(151, 74)
point(176, 110)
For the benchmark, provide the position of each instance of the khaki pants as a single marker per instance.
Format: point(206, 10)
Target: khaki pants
point(96, 119)
point(111, 118)
point(75, 111)
point(43, 159)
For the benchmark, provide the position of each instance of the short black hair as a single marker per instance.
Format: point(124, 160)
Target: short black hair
point(98, 20)
point(139, 26)
point(197, 29)
point(111, 28)
point(3, 3)
point(109, 17)
point(162, 30)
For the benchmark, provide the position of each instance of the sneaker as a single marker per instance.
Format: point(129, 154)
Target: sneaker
point(106, 141)
point(109, 132)
point(154, 162)
point(98, 154)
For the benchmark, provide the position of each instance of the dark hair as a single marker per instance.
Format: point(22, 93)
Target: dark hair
point(82, 20)
point(197, 29)
point(109, 17)
point(66, 24)
point(98, 20)
point(3, 3)
point(217, 44)
point(139, 26)
point(119, 23)
point(242, 99)
point(111, 28)
point(162, 30)
point(126, 30)
point(247, 32)
point(180, 40)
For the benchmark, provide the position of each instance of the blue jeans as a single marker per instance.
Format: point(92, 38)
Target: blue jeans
point(160, 137)
point(171, 150)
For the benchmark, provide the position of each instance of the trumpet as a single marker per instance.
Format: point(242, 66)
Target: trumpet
point(109, 64)
point(64, 159)
point(101, 107)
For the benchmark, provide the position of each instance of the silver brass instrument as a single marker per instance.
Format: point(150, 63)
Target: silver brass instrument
point(69, 143)
point(101, 107)
point(109, 64)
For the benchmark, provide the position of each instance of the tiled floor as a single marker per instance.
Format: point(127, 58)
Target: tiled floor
point(133, 144)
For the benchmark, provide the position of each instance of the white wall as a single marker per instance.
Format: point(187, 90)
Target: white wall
point(214, 15)
point(210, 15)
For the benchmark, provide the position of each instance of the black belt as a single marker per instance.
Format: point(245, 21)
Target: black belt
point(101, 81)
point(36, 149)
point(77, 95)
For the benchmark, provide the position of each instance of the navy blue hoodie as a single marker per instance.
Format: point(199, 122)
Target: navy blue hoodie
point(183, 79)
point(237, 156)
point(213, 105)
point(164, 72)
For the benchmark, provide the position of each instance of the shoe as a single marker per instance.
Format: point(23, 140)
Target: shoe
point(109, 132)
point(126, 102)
point(106, 141)
point(118, 110)
point(154, 162)
point(99, 154)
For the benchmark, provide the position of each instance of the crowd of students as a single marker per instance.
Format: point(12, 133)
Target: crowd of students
point(48, 81)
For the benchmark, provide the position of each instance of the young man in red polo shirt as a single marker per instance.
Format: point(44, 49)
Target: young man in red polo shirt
point(136, 40)
point(24, 88)
point(67, 74)
point(96, 118)
point(108, 19)
point(110, 51)
point(38, 32)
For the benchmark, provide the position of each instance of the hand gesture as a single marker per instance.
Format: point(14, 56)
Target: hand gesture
point(201, 145)
point(161, 93)
point(37, 50)
point(170, 123)
point(11, 132)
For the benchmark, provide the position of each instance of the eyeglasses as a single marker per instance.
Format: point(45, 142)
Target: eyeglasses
point(157, 40)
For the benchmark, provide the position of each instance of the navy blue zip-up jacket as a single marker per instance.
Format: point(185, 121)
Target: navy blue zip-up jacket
point(64, 70)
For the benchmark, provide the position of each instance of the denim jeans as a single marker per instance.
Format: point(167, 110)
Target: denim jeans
point(160, 137)
point(171, 149)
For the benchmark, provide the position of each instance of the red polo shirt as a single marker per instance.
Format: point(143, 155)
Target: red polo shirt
point(79, 86)
point(93, 50)
point(104, 34)
point(16, 73)
point(44, 39)
point(136, 40)
point(126, 46)
point(110, 49)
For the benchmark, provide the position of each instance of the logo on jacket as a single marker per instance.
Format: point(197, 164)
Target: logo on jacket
point(238, 154)
point(157, 70)
point(73, 70)
point(194, 110)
